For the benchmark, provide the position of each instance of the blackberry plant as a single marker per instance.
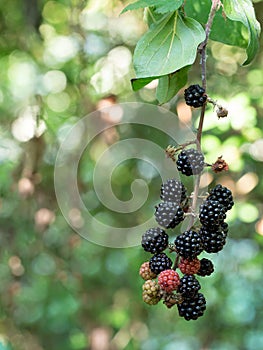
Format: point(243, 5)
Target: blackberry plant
point(176, 35)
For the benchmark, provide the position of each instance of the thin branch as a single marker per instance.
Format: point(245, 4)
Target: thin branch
point(216, 4)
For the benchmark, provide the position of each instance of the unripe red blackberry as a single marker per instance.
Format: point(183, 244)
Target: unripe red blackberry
point(169, 280)
point(154, 240)
point(169, 214)
point(160, 262)
point(206, 267)
point(212, 213)
point(173, 191)
point(145, 271)
point(195, 96)
point(192, 308)
point(223, 195)
point(189, 244)
point(190, 162)
point(213, 239)
point(189, 286)
point(189, 267)
point(151, 292)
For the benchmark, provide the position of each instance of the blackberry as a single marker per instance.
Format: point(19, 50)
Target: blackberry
point(145, 271)
point(169, 214)
point(190, 162)
point(206, 267)
point(192, 308)
point(212, 213)
point(195, 96)
point(223, 195)
point(169, 280)
point(173, 191)
point(213, 240)
point(189, 286)
point(189, 267)
point(160, 262)
point(151, 292)
point(188, 245)
point(154, 240)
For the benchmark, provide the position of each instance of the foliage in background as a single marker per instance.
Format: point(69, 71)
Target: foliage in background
point(59, 61)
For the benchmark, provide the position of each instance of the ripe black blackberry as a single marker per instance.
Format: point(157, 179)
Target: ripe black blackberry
point(189, 244)
point(195, 96)
point(190, 162)
point(223, 195)
point(154, 240)
point(192, 308)
point(206, 267)
point(213, 239)
point(160, 262)
point(169, 214)
point(173, 191)
point(189, 286)
point(212, 213)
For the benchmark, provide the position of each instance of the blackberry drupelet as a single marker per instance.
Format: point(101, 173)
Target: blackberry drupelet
point(213, 239)
point(190, 162)
point(155, 240)
point(189, 267)
point(173, 191)
point(189, 244)
point(206, 267)
point(169, 280)
point(195, 96)
point(224, 229)
point(160, 262)
point(169, 214)
point(223, 195)
point(192, 308)
point(212, 213)
point(189, 286)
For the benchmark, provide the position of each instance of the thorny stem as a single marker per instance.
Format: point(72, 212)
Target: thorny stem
point(202, 50)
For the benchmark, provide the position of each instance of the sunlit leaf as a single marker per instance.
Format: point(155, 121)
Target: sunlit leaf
point(162, 6)
point(169, 45)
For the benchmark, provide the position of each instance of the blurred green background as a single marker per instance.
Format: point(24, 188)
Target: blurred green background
point(59, 61)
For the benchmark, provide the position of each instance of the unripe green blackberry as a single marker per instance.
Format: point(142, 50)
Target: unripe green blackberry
point(189, 267)
point(173, 191)
point(189, 244)
point(213, 239)
point(195, 96)
point(192, 308)
point(169, 280)
point(212, 213)
point(189, 286)
point(223, 195)
point(206, 267)
point(169, 214)
point(151, 292)
point(154, 240)
point(160, 262)
point(145, 271)
point(190, 162)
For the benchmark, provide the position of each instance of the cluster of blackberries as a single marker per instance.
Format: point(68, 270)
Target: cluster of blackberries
point(163, 282)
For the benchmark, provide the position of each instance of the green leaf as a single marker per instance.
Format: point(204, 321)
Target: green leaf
point(170, 84)
point(138, 84)
point(243, 11)
point(161, 6)
point(151, 16)
point(168, 45)
point(236, 26)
